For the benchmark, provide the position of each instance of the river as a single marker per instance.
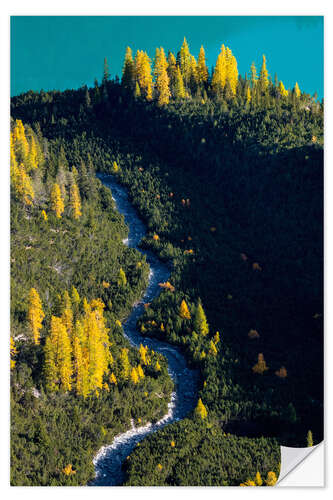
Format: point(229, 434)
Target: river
point(109, 459)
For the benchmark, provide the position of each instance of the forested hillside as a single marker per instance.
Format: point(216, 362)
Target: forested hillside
point(76, 382)
point(227, 173)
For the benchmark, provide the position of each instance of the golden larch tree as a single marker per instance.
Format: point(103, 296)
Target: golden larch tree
point(35, 314)
point(263, 77)
point(161, 78)
point(57, 202)
point(185, 62)
point(200, 410)
point(202, 70)
point(134, 376)
point(260, 367)
point(184, 311)
point(179, 88)
point(297, 90)
point(75, 201)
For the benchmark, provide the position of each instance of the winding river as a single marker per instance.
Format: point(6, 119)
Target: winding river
point(108, 461)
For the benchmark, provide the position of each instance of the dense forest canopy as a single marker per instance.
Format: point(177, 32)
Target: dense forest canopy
point(226, 171)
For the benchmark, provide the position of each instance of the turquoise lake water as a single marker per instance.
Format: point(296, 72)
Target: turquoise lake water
point(55, 52)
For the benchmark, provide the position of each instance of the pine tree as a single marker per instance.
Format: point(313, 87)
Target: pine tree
point(57, 202)
point(172, 69)
point(50, 367)
point(35, 314)
point(128, 77)
point(200, 321)
point(263, 77)
point(253, 75)
point(202, 70)
point(32, 155)
point(200, 410)
point(106, 74)
point(67, 313)
point(248, 94)
point(125, 364)
point(309, 439)
point(75, 201)
point(184, 311)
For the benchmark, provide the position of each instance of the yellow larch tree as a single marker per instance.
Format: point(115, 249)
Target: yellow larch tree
point(75, 201)
point(122, 280)
point(260, 367)
point(64, 355)
point(162, 78)
point(143, 354)
point(184, 311)
point(263, 77)
point(202, 70)
point(200, 410)
point(23, 185)
point(297, 90)
point(134, 376)
point(185, 62)
point(35, 314)
point(282, 90)
point(57, 202)
point(21, 144)
point(220, 73)
point(13, 353)
point(232, 70)
point(271, 478)
point(179, 88)
point(140, 371)
point(80, 369)
point(98, 343)
point(143, 74)
point(258, 479)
